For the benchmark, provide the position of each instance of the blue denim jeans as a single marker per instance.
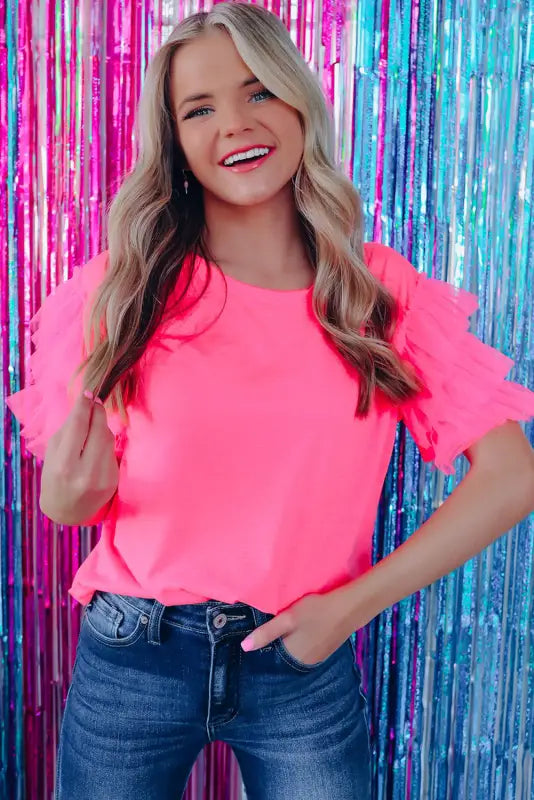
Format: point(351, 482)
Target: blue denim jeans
point(153, 684)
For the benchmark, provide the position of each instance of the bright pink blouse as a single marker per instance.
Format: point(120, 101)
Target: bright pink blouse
point(244, 473)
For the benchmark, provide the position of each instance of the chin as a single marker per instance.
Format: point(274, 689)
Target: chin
point(249, 199)
point(250, 202)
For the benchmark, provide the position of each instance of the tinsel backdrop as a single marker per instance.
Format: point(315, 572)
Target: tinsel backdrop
point(433, 104)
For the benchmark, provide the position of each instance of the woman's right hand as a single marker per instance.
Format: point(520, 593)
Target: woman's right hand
point(80, 472)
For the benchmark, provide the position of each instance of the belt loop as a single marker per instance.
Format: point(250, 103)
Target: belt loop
point(154, 626)
point(260, 617)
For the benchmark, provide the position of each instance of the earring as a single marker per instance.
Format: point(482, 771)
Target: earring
point(186, 182)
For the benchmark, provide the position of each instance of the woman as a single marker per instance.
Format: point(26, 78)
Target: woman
point(249, 358)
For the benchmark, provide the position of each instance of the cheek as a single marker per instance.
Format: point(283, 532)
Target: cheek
point(290, 131)
point(195, 147)
point(295, 141)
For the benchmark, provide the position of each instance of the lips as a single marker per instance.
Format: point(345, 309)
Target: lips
point(243, 150)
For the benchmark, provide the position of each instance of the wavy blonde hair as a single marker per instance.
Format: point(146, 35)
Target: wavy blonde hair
point(153, 226)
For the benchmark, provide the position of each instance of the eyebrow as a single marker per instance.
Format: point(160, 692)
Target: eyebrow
point(193, 98)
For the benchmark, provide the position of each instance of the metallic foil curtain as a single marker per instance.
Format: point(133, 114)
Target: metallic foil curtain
point(433, 103)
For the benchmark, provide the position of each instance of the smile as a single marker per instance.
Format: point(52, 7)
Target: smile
point(246, 160)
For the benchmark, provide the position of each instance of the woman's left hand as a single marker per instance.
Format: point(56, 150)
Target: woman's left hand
point(313, 627)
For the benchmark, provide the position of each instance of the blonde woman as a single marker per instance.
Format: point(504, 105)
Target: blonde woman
point(248, 358)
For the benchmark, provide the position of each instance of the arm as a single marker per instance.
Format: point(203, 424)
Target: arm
point(496, 493)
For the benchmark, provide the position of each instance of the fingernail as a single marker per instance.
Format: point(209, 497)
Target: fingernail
point(90, 396)
point(248, 643)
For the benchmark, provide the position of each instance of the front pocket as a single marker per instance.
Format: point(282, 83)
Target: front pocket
point(112, 621)
point(290, 659)
point(355, 665)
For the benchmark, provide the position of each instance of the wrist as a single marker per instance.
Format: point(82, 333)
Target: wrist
point(359, 601)
point(78, 514)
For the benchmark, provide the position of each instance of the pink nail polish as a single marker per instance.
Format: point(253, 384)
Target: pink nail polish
point(94, 399)
point(247, 644)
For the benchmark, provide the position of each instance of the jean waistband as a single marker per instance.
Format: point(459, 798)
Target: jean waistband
point(193, 616)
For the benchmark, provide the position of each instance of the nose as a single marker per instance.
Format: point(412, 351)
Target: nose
point(233, 119)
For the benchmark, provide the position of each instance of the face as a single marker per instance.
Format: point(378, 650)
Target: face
point(235, 113)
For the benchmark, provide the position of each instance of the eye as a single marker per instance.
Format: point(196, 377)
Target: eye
point(263, 94)
point(197, 112)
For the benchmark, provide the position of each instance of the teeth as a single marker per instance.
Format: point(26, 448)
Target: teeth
point(255, 151)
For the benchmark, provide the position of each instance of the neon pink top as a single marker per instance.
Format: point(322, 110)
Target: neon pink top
point(244, 472)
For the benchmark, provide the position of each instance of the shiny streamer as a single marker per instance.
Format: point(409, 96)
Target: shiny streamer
point(433, 105)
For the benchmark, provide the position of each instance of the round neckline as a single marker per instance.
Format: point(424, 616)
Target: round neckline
point(265, 289)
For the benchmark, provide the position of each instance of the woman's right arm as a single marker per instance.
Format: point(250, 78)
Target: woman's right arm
point(80, 472)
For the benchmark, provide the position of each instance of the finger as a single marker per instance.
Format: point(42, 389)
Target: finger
point(267, 633)
point(77, 425)
point(95, 402)
point(98, 430)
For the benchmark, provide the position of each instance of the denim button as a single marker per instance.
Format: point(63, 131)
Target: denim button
point(144, 619)
point(220, 620)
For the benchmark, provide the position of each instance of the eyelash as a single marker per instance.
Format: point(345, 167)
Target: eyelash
point(195, 111)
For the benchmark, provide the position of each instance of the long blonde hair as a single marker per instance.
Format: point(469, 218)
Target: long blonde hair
point(153, 226)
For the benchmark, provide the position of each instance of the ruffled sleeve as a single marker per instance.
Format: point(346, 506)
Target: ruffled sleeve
point(57, 335)
point(466, 393)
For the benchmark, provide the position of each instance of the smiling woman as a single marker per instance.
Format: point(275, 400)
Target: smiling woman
point(214, 89)
point(238, 115)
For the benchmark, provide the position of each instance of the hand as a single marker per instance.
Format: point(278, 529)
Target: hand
point(313, 627)
point(80, 472)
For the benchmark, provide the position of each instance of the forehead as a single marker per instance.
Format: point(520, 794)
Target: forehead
point(205, 62)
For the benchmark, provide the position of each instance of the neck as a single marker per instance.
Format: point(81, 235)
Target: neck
point(262, 241)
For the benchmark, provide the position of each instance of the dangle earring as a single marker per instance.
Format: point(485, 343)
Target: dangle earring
point(186, 182)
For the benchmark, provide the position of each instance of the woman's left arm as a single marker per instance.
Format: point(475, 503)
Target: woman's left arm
point(496, 493)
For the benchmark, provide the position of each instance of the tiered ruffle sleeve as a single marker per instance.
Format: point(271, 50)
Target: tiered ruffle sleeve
point(57, 335)
point(466, 392)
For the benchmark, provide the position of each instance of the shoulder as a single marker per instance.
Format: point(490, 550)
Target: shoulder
point(92, 273)
point(392, 269)
point(69, 299)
